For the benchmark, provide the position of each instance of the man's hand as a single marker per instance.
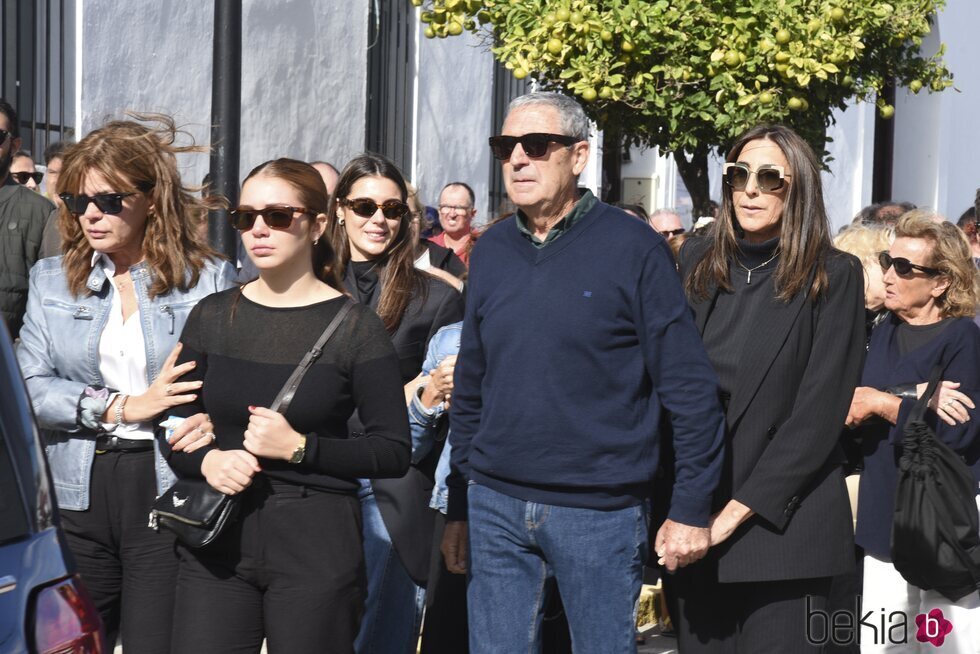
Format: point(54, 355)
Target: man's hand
point(678, 545)
point(454, 546)
point(724, 523)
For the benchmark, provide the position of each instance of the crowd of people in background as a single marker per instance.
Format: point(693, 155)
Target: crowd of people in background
point(535, 412)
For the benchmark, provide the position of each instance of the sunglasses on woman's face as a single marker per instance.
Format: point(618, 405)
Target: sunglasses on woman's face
point(768, 177)
point(366, 207)
point(535, 145)
point(275, 217)
point(903, 267)
point(24, 177)
point(110, 203)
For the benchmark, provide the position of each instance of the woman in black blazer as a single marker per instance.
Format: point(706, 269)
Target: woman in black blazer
point(372, 236)
point(781, 314)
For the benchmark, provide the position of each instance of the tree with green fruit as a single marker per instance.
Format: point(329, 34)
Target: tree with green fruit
point(687, 76)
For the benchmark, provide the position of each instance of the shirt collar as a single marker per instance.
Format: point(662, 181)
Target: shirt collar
point(582, 207)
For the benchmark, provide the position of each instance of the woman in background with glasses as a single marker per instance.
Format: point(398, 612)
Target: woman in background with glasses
point(290, 569)
point(781, 313)
point(931, 291)
point(98, 351)
point(372, 235)
point(24, 172)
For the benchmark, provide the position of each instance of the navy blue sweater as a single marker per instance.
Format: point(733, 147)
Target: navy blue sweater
point(958, 347)
point(568, 355)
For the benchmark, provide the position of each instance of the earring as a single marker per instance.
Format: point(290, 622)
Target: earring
point(340, 221)
point(316, 240)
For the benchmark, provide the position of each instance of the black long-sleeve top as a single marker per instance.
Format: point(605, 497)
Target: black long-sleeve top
point(245, 352)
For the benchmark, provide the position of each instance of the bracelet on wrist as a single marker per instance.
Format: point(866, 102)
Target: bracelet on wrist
point(120, 407)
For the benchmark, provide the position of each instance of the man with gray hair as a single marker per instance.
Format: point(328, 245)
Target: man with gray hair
point(576, 338)
point(667, 222)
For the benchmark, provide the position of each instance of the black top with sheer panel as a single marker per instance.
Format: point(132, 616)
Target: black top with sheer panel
point(245, 352)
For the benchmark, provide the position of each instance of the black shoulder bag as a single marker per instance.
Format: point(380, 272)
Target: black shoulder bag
point(934, 542)
point(195, 511)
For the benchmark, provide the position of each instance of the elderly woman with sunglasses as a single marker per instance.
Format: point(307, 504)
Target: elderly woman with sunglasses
point(98, 351)
point(372, 235)
point(931, 290)
point(781, 314)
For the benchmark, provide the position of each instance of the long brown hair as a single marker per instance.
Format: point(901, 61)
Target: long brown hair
point(135, 158)
point(313, 194)
point(804, 240)
point(400, 281)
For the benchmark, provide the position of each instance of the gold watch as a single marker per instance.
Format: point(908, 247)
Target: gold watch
point(300, 451)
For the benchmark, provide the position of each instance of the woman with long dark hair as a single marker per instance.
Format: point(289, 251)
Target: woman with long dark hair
point(98, 353)
point(781, 314)
point(372, 235)
point(291, 568)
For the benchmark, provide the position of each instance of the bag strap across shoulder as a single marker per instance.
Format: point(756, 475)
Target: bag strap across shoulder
point(285, 396)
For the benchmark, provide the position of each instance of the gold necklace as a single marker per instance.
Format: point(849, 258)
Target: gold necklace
point(748, 279)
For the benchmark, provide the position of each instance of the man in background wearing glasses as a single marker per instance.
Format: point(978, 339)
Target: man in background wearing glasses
point(22, 216)
point(456, 212)
point(575, 339)
point(667, 222)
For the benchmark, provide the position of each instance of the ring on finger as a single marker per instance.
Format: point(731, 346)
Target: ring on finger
point(210, 434)
point(168, 389)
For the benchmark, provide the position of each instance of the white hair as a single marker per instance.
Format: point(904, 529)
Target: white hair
point(573, 119)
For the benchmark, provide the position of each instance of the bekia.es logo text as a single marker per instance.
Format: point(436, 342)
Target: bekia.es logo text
point(843, 627)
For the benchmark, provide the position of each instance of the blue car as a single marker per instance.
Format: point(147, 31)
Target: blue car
point(43, 606)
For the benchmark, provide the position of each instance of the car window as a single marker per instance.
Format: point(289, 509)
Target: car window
point(13, 519)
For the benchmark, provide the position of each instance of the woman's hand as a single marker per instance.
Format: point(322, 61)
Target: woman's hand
point(192, 434)
point(229, 471)
point(869, 402)
point(949, 404)
point(164, 393)
point(724, 523)
point(440, 386)
point(269, 435)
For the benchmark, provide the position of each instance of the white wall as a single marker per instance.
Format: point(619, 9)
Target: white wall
point(304, 67)
point(847, 183)
point(453, 118)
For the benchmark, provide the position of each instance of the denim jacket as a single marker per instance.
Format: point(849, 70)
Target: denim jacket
point(423, 421)
point(59, 357)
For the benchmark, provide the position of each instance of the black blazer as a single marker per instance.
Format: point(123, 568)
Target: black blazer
point(404, 502)
point(783, 458)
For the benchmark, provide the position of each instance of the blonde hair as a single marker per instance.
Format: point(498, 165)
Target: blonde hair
point(135, 158)
point(865, 241)
point(951, 255)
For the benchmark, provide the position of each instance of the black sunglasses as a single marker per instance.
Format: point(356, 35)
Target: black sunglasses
point(23, 177)
point(672, 232)
point(769, 177)
point(276, 217)
point(366, 207)
point(903, 267)
point(110, 203)
point(535, 144)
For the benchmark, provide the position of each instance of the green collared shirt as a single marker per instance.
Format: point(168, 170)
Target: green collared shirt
point(582, 207)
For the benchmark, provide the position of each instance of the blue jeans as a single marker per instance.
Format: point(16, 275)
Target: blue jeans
point(595, 556)
point(393, 610)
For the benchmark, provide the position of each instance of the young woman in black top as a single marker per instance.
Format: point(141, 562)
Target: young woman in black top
point(372, 236)
point(291, 568)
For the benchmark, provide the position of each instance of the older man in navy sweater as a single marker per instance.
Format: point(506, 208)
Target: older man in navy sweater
point(576, 337)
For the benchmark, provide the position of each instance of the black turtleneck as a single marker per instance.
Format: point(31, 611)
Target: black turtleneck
point(365, 287)
point(735, 316)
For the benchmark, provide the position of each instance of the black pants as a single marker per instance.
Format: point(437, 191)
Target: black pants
point(129, 569)
point(445, 628)
point(291, 570)
point(764, 616)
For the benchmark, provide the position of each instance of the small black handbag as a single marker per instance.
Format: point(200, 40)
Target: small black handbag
point(935, 543)
point(195, 511)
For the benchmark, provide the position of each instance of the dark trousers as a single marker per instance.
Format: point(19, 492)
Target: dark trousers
point(290, 569)
point(129, 569)
point(764, 616)
point(445, 628)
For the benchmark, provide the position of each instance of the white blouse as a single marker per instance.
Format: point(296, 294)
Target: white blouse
point(122, 355)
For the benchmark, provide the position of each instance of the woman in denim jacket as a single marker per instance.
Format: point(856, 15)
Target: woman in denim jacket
point(97, 351)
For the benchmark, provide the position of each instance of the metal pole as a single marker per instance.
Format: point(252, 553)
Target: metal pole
point(226, 101)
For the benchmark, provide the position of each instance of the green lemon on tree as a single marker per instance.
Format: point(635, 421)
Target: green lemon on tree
point(563, 14)
point(887, 111)
point(765, 97)
point(589, 95)
point(430, 33)
point(576, 18)
point(519, 73)
point(732, 59)
point(796, 104)
point(605, 93)
point(627, 46)
point(554, 46)
point(606, 35)
point(915, 86)
point(455, 28)
point(783, 36)
point(837, 15)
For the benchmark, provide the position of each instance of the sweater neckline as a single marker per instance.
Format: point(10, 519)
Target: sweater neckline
point(537, 256)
